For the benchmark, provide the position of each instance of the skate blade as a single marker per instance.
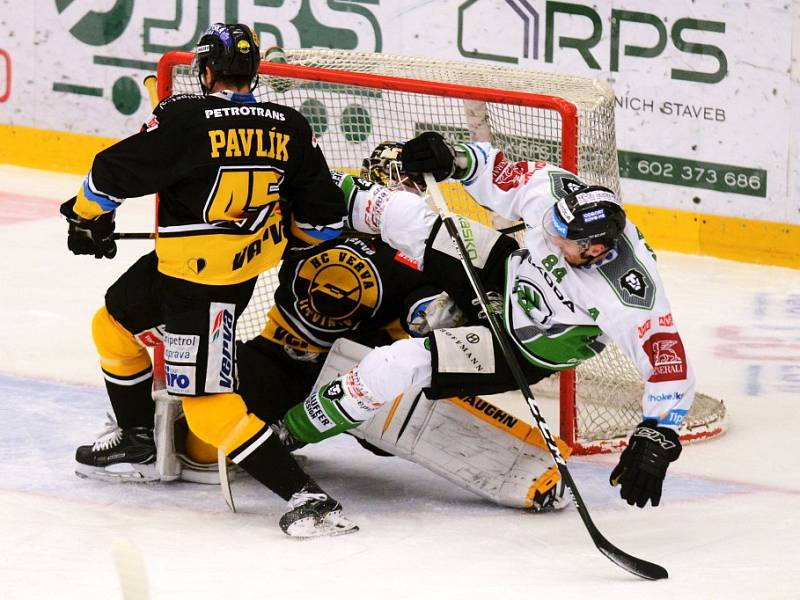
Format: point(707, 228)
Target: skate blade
point(119, 473)
point(332, 524)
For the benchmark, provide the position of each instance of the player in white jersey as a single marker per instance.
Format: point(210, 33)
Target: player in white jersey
point(585, 278)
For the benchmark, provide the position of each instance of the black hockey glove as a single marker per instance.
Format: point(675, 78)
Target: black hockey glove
point(429, 153)
point(644, 463)
point(85, 236)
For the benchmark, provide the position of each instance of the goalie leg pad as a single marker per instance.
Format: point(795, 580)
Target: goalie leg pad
point(347, 400)
point(473, 443)
point(469, 441)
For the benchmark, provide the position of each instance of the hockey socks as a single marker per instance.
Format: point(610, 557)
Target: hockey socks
point(337, 406)
point(272, 465)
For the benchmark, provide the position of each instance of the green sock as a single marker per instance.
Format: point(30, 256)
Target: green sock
point(318, 417)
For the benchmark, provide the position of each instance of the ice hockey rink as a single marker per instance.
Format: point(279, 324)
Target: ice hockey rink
point(728, 526)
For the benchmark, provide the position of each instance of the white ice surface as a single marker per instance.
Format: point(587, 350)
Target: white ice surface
point(727, 528)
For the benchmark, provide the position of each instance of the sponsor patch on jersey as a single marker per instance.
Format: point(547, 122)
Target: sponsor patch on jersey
point(180, 379)
point(336, 289)
point(633, 281)
point(478, 241)
point(150, 337)
point(665, 397)
point(667, 356)
point(673, 418)
point(180, 348)
point(220, 366)
point(316, 414)
point(644, 328)
point(464, 350)
point(507, 176)
point(407, 260)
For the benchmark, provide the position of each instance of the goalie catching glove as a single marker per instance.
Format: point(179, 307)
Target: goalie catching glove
point(644, 463)
point(89, 236)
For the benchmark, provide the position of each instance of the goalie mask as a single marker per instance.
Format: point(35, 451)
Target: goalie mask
point(588, 216)
point(382, 166)
point(230, 51)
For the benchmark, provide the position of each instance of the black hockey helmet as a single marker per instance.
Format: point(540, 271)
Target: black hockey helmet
point(588, 215)
point(229, 50)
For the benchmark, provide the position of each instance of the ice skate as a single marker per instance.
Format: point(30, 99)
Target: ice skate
point(119, 455)
point(313, 513)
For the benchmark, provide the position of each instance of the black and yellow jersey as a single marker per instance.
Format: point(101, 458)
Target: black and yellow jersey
point(348, 287)
point(230, 173)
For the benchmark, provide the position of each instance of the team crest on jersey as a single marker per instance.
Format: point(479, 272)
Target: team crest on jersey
point(563, 183)
point(532, 300)
point(634, 282)
point(336, 289)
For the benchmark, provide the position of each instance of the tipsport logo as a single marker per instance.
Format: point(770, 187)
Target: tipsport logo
point(549, 27)
point(178, 26)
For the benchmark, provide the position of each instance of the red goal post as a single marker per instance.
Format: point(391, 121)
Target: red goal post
point(353, 101)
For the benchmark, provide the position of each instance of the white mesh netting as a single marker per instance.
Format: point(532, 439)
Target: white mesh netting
point(349, 120)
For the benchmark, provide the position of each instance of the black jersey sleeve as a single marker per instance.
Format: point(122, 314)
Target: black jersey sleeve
point(136, 166)
point(316, 203)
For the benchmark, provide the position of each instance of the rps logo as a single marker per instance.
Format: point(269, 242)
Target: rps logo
point(667, 356)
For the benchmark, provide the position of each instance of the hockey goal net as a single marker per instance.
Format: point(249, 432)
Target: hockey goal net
point(354, 101)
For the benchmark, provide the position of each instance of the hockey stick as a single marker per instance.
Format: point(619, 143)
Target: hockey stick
point(637, 566)
point(133, 236)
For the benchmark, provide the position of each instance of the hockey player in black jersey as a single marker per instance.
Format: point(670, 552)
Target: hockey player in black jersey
point(231, 173)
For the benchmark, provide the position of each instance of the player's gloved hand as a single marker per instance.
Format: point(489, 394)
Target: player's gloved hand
point(89, 236)
point(437, 313)
point(429, 153)
point(644, 463)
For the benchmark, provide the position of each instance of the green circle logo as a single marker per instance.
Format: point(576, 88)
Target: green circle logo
point(126, 96)
point(314, 112)
point(356, 123)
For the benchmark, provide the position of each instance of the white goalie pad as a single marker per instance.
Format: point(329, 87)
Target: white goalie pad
point(468, 441)
point(171, 462)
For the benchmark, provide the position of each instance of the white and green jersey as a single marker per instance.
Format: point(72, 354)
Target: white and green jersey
point(560, 315)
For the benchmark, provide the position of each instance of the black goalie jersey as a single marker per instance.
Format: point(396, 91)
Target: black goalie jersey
point(229, 172)
point(343, 288)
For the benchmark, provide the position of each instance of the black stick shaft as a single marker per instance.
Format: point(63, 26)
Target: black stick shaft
point(134, 236)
